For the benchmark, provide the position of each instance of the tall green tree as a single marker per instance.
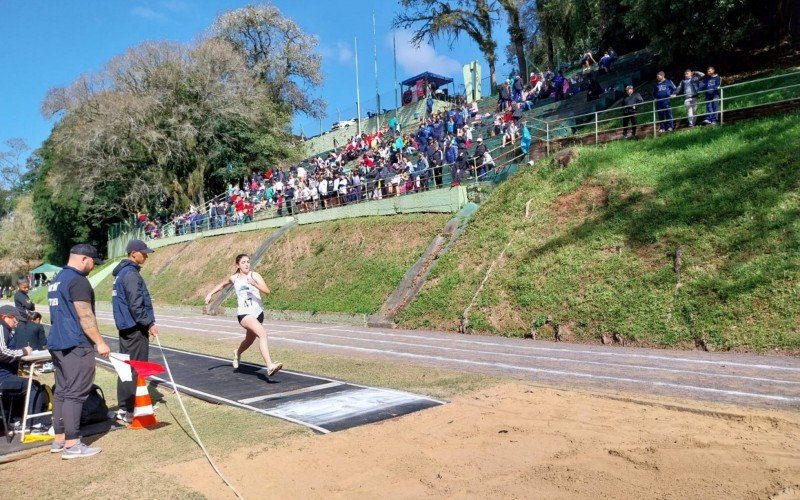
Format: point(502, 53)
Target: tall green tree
point(277, 49)
point(162, 125)
point(435, 19)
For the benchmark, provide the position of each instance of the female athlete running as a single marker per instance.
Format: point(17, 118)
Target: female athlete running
point(248, 286)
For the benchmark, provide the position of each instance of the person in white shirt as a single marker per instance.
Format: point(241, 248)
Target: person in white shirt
point(249, 285)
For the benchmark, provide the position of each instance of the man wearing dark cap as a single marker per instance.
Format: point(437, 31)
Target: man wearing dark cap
point(73, 338)
point(10, 383)
point(134, 317)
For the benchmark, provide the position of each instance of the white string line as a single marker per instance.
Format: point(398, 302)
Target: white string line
point(189, 420)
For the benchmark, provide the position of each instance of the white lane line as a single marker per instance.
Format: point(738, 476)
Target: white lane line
point(579, 351)
point(549, 349)
point(549, 358)
point(657, 383)
point(295, 392)
point(495, 353)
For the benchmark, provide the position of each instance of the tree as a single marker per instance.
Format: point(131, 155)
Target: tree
point(432, 19)
point(515, 32)
point(278, 51)
point(21, 239)
point(158, 127)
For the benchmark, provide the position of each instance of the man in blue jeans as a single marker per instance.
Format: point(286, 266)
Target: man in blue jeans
point(662, 91)
point(711, 84)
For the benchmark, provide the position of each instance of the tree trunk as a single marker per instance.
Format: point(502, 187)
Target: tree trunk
point(517, 37)
point(492, 72)
point(519, 46)
point(551, 55)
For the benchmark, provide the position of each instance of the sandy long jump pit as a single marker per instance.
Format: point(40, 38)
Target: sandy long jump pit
point(517, 440)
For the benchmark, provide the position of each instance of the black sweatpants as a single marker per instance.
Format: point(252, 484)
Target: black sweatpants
point(135, 342)
point(629, 121)
point(74, 378)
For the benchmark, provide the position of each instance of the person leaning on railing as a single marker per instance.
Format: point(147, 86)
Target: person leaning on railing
point(711, 84)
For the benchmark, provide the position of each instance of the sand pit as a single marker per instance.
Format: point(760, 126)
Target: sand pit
point(520, 441)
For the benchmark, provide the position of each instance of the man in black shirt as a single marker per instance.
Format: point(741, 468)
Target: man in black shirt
point(21, 300)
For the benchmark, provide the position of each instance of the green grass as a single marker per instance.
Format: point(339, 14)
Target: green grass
point(346, 266)
point(597, 252)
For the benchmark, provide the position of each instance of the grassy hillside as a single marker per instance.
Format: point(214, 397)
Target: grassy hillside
point(347, 266)
point(598, 251)
point(183, 273)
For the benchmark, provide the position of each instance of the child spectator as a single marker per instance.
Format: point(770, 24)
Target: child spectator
point(711, 85)
point(662, 91)
point(690, 87)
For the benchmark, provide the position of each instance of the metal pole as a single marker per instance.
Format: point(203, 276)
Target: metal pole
point(721, 104)
point(596, 130)
point(396, 91)
point(547, 125)
point(358, 93)
point(377, 93)
point(654, 119)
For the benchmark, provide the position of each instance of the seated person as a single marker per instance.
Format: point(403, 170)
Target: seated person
point(595, 90)
point(10, 383)
point(30, 333)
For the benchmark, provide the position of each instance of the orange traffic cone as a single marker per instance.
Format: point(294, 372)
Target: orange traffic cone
point(143, 416)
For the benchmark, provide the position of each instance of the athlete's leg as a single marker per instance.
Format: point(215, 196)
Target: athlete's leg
point(256, 329)
point(249, 337)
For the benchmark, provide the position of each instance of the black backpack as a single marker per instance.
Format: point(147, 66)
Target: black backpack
point(94, 408)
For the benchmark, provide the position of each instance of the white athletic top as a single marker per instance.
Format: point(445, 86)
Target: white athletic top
point(248, 296)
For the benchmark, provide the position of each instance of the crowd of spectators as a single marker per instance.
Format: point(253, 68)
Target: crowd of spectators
point(389, 162)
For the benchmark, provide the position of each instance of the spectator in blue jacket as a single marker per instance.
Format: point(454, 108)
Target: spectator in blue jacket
point(690, 88)
point(711, 85)
point(134, 317)
point(558, 83)
point(662, 91)
point(605, 62)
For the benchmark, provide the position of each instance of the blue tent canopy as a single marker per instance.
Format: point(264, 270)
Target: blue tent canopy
point(439, 80)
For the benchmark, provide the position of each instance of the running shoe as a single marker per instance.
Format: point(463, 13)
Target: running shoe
point(235, 359)
point(79, 450)
point(273, 369)
point(57, 447)
point(122, 416)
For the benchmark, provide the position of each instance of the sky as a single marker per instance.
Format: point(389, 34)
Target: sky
point(49, 43)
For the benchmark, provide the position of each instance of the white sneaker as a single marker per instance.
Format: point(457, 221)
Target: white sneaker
point(122, 416)
point(79, 450)
point(235, 359)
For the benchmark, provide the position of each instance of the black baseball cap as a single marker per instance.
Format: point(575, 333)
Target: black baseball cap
point(87, 250)
point(138, 246)
point(10, 311)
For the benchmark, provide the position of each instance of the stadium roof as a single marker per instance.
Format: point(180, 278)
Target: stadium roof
point(439, 80)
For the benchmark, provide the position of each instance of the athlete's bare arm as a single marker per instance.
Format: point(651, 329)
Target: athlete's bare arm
point(217, 288)
point(258, 282)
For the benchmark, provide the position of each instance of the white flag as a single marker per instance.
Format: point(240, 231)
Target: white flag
point(123, 368)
